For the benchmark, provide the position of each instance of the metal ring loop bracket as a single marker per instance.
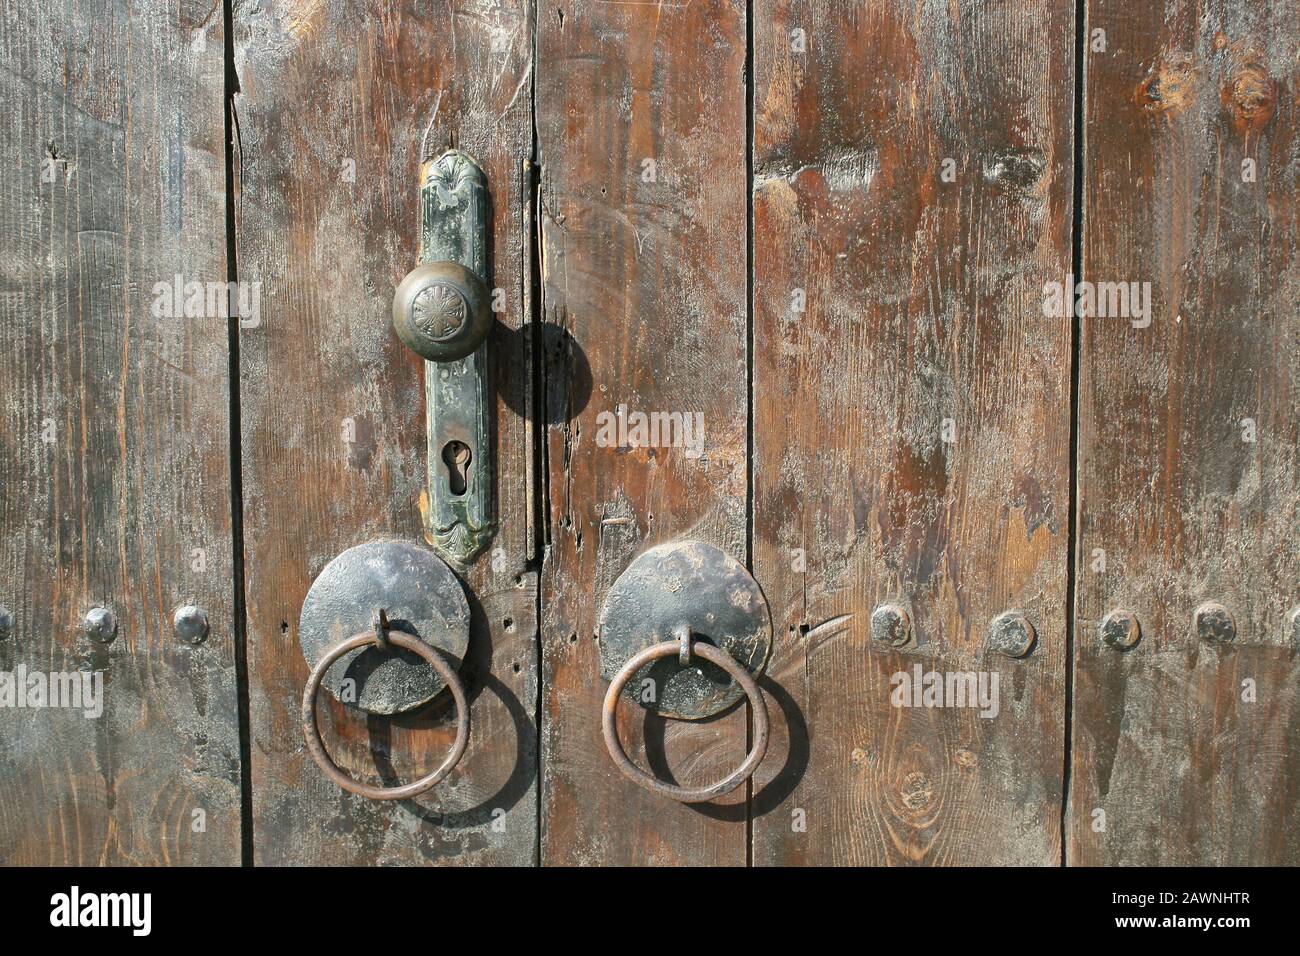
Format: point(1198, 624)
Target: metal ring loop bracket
point(418, 594)
point(316, 747)
point(380, 627)
point(634, 773)
point(692, 585)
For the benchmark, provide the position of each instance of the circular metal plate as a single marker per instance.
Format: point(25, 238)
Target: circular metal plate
point(692, 583)
point(420, 595)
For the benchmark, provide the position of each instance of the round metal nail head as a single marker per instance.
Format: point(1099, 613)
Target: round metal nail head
point(190, 623)
point(100, 625)
point(1121, 630)
point(1012, 635)
point(1214, 623)
point(891, 624)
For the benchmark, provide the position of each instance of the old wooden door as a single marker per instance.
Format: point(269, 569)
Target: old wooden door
point(919, 455)
point(970, 326)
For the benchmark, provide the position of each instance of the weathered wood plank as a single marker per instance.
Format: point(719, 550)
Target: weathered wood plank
point(912, 195)
point(641, 134)
point(1189, 455)
point(339, 103)
point(114, 434)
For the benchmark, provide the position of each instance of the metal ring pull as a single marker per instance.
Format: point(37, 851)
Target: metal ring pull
point(682, 647)
point(316, 746)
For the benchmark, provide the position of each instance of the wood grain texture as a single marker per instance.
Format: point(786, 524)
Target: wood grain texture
point(644, 287)
point(1184, 509)
point(379, 86)
point(114, 434)
point(923, 310)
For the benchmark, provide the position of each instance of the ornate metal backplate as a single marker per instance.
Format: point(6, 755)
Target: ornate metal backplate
point(420, 595)
point(692, 583)
point(453, 228)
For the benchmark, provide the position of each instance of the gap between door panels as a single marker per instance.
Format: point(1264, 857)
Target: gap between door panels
point(1076, 340)
point(749, 376)
point(239, 610)
point(540, 489)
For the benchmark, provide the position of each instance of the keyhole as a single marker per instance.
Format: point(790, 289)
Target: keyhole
point(456, 455)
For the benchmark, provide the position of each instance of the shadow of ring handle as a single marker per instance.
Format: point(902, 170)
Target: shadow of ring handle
point(634, 773)
point(316, 746)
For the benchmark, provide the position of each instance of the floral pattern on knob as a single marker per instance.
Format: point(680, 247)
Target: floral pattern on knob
point(439, 311)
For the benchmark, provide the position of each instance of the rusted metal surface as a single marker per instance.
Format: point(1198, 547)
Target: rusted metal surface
point(1214, 623)
point(1121, 630)
point(701, 587)
point(311, 732)
point(1012, 635)
point(680, 648)
point(891, 625)
point(417, 593)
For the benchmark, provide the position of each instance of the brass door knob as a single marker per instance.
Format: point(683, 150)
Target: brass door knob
point(441, 311)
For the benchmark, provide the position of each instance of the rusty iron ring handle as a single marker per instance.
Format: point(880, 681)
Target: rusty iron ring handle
point(634, 773)
point(317, 747)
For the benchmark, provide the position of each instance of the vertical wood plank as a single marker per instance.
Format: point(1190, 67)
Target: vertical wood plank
point(339, 103)
point(1184, 499)
point(114, 435)
point(641, 134)
point(912, 195)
